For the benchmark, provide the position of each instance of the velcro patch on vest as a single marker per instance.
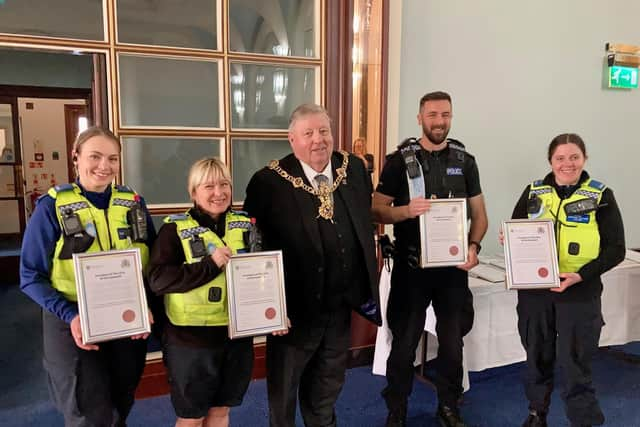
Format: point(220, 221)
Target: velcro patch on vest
point(539, 191)
point(63, 187)
point(190, 232)
point(176, 217)
point(583, 219)
point(73, 206)
point(454, 171)
point(587, 193)
point(123, 188)
point(123, 233)
point(596, 184)
point(239, 224)
point(124, 202)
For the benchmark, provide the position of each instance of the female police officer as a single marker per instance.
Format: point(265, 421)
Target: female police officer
point(87, 382)
point(566, 323)
point(208, 372)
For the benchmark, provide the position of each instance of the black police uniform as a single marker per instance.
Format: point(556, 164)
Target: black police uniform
point(451, 172)
point(567, 325)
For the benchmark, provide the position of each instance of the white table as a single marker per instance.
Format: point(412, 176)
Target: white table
point(494, 339)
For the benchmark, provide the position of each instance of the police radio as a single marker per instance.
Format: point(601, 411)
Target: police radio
point(387, 247)
point(71, 223)
point(253, 238)
point(138, 222)
point(411, 162)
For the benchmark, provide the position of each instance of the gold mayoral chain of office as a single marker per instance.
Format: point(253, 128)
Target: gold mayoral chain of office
point(324, 191)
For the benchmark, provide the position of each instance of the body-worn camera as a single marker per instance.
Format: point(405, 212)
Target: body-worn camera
point(138, 222)
point(533, 205)
point(71, 223)
point(198, 250)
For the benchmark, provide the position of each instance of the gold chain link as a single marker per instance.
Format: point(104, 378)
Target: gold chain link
point(325, 210)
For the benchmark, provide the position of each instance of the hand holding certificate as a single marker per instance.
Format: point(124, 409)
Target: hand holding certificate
point(255, 293)
point(530, 254)
point(443, 233)
point(111, 299)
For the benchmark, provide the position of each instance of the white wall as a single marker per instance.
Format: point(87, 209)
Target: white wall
point(43, 129)
point(519, 74)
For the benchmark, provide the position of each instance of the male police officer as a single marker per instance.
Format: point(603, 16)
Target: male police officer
point(449, 171)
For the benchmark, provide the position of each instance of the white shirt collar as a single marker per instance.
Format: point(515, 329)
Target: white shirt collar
point(310, 173)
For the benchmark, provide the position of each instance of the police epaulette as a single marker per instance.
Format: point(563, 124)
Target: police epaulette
point(63, 187)
point(408, 142)
point(538, 182)
point(239, 212)
point(124, 189)
point(596, 184)
point(454, 143)
point(176, 217)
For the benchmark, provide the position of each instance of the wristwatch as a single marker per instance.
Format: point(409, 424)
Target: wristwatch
point(478, 246)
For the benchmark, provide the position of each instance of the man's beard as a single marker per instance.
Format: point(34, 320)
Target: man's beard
point(431, 137)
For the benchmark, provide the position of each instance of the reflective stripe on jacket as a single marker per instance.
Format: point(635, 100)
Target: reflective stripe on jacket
point(108, 228)
point(577, 236)
point(204, 305)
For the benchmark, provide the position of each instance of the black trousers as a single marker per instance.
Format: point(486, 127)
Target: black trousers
point(412, 290)
point(91, 388)
point(568, 332)
point(310, 362)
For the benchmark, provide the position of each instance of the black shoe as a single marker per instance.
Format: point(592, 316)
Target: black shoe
point(449, 417)
point(397, 415)
point(535, 419)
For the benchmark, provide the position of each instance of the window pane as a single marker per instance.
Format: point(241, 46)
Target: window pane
point(168, 23)
point(10, 216)
point(157, 168)
point(250, 155)
point(7, 181)
point(7, 149)
point(33, 68)
point(168, 92)
point(275, 27)
point(76, 19)
point(263, 96)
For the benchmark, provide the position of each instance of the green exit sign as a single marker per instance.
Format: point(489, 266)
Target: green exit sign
point(623, 77)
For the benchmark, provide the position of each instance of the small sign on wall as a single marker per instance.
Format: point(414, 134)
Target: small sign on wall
point(38, 157)
point(623, 77)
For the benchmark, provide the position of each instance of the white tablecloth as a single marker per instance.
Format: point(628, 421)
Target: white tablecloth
point(494, 339)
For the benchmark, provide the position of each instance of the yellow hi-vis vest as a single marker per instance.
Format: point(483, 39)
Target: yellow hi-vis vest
point(579, 231)
point(111, 230)
point(195, 307)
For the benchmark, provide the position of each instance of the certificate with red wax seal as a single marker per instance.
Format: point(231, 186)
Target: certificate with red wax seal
point(443, 233)
point(111, 300)
point(255, 294)
point(531, 257)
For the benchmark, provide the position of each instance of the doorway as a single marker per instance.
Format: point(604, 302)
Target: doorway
point(34, 88)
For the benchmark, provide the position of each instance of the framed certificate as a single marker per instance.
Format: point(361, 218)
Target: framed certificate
point(111, 298)
point(531, 257)
point(255, 294)
point(443, 233)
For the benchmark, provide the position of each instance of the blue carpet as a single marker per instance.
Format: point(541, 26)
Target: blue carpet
point(496, 397)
